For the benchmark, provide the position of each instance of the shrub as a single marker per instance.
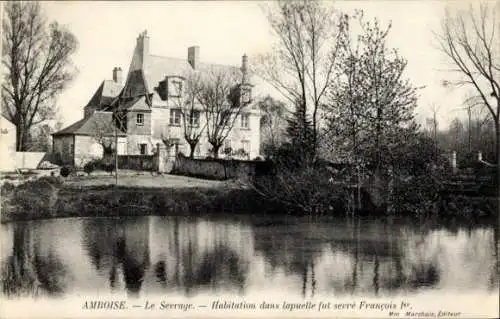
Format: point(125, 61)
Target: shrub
point(89, 167)
point(65, 171)
point(109, 167)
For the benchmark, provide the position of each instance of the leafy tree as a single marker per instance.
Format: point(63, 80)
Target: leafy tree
point(371, 102)
point(37, 59)
point(272, 123)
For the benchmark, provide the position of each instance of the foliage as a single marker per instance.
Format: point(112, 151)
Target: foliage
point(371, 103)
point(272, 123)
point(37, 59)
point(89, 168)
point(65, 171)
point(300, 133)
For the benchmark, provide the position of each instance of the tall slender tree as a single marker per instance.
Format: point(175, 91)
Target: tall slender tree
point(301, 65)
point(37, 59)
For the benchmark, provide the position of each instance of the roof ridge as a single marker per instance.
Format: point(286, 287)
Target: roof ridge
point(186, 60)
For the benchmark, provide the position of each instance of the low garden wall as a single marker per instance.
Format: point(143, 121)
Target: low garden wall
point(138, 162)
point(220, 169)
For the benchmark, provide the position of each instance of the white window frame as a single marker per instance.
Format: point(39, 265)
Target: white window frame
point(197, 118)
point(245, 121)
point(246, 143)
point(141, 121)
point(175, 117)
point(176, 88)
point(246, 95)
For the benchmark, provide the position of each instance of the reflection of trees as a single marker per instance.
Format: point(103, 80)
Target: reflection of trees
point(30, 271)
point(187, 255)
point(119, 243)
point(200, 255)
point(347, 257)
point(50, 271)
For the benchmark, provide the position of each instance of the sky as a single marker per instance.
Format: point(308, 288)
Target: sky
point(224, 31)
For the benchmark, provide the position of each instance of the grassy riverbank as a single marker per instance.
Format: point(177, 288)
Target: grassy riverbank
point(53, 197)
point(50, 197)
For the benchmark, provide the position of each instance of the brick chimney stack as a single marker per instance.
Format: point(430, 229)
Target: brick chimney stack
point(194, 56)
point(244, 67)
point(117, 75)
point(143, 48)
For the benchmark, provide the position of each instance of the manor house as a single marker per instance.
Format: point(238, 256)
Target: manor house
point(149, 99)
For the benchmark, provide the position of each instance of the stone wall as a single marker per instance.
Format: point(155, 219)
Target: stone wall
point(219, 168)
point(138, 162)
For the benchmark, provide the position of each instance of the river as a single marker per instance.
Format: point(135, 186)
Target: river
point(192, 256)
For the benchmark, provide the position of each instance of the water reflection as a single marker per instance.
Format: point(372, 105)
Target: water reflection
point(152, 255)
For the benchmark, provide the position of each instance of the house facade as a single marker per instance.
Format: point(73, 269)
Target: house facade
point(7, 145)
point(144, 110)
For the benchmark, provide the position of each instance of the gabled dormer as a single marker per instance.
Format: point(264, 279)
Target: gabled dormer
point(171, 87)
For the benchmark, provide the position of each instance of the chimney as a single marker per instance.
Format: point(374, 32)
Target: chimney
point(117, 75)
point(143, 46)
point(194, 56)
point(244, 67)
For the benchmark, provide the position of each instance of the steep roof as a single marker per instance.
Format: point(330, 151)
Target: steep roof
point(158, 67)
point(105, 94)
point(99, 121)
point(138, 103)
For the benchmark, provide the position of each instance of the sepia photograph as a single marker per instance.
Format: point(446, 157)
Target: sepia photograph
point(292, 159)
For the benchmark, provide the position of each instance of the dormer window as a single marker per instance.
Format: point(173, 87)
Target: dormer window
point(175, 88)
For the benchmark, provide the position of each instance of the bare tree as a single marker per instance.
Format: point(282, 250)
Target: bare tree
point(191, 110)
point(36, 56)
point(301, 65)
point(220, 98)
point(470, 39)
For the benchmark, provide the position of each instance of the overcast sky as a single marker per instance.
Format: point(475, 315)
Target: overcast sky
point(225, 30)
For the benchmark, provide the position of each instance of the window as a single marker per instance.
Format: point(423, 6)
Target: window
point(244, 121)
point(175, 117)
point(140, 119)
point(176, 88)
point(246, 95)
point(194, 119)
point(246, 146)
point(227, 150)
point(143, 148)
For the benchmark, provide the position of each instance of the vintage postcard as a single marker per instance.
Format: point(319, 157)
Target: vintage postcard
point(192, 159)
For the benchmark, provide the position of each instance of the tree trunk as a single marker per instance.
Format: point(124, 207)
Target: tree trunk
point(497, 168)
point(21, 139)
point(192, 147)
point(215, 149)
